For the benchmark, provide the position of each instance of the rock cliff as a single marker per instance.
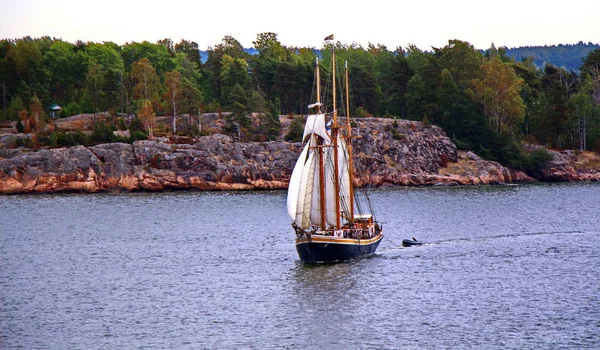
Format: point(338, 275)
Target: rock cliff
point(387, 153)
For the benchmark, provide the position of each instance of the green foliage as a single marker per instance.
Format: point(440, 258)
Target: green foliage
point(536, 161)
point(103, 133)
point(397, 136)
point(269, 124)
point(16, 106)
point(296, 130)
point(415, 98)
point(59, 139)
point(455, 86)
point(20, 127)
point(137, 135)
point(136, 125)
point(567, 56)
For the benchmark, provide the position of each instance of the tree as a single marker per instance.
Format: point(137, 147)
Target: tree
point(16, 105)
point(239, 107)
point(462, 61)
point(584, 111)
point(191, 80)
point(295, 131)
point(36, 110)
point(145, 80)
point(173, 94)
point(269, 123)
point(415, 98)
point(269, 47)
point(61, 60)
point(113, 68)
point(214, 66)
point(394, 85)
point(168, 43)
point(498, 91)
point(190, 49)
point(461, 118)
point(157, 55)
point(94, 82)
point(234, 71)
point(558, 86)
point(147, 114)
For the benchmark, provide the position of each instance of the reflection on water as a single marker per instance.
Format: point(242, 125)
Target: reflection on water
point(508, 267)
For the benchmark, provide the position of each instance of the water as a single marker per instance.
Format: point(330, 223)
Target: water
point(503, 267)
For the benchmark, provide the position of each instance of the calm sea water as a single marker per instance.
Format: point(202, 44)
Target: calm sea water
point(503, 267)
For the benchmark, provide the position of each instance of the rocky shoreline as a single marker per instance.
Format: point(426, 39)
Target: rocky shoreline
point(400, 153)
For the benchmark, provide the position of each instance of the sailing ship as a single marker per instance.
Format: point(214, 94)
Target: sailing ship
point(331, 221)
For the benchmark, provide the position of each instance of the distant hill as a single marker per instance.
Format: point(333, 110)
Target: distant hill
point(569, 56)
point(204, 54)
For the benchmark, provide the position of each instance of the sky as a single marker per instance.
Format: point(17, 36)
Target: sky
point(393, 23)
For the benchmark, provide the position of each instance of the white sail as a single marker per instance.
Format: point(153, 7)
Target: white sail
point(344, 177)
point(315, 200)
point(305, 191)
point(330, 188)
point(304, 194)
point(315, 124)
point(294, 186)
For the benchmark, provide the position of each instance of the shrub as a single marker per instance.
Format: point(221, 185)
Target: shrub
point(296, 131)
point(103, 133)
point(536, 161)
point(121, 124)
point(396, 135)
point(71, 109)
point(136, 125)
point(20, 126)
point(137, 135)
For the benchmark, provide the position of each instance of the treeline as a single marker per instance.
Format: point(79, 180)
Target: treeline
point(487, 102)
point(566, 56)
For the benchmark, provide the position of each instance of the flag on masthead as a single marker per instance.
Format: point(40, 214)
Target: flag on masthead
point(329, 38)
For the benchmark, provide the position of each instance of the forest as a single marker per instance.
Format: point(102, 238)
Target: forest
point(486, 102)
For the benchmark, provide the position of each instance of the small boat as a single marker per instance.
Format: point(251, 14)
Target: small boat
point(332, 223)
point(410, 242)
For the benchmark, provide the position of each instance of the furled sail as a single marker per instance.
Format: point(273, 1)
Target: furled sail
point(315, 124)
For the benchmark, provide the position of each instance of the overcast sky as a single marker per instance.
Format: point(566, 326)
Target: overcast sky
point(305, 23)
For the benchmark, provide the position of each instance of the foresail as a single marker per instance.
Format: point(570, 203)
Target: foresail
point(306, 192)
point(294, 186)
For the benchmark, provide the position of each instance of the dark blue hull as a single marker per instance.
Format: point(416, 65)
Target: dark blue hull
point(332, 250)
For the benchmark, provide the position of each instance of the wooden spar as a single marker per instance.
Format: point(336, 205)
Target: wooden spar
point(318, 86)
point(323, 203)
point(334, 136)
point(349, 147)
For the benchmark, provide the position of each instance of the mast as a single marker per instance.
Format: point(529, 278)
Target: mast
point(322, 203)
point(318, 86)
point(349, 146)
point(334, 136)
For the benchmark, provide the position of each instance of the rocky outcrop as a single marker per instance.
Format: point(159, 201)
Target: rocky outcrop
point(409, 153)
point(571, 166)
point(387, 153)
point(214, 163)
